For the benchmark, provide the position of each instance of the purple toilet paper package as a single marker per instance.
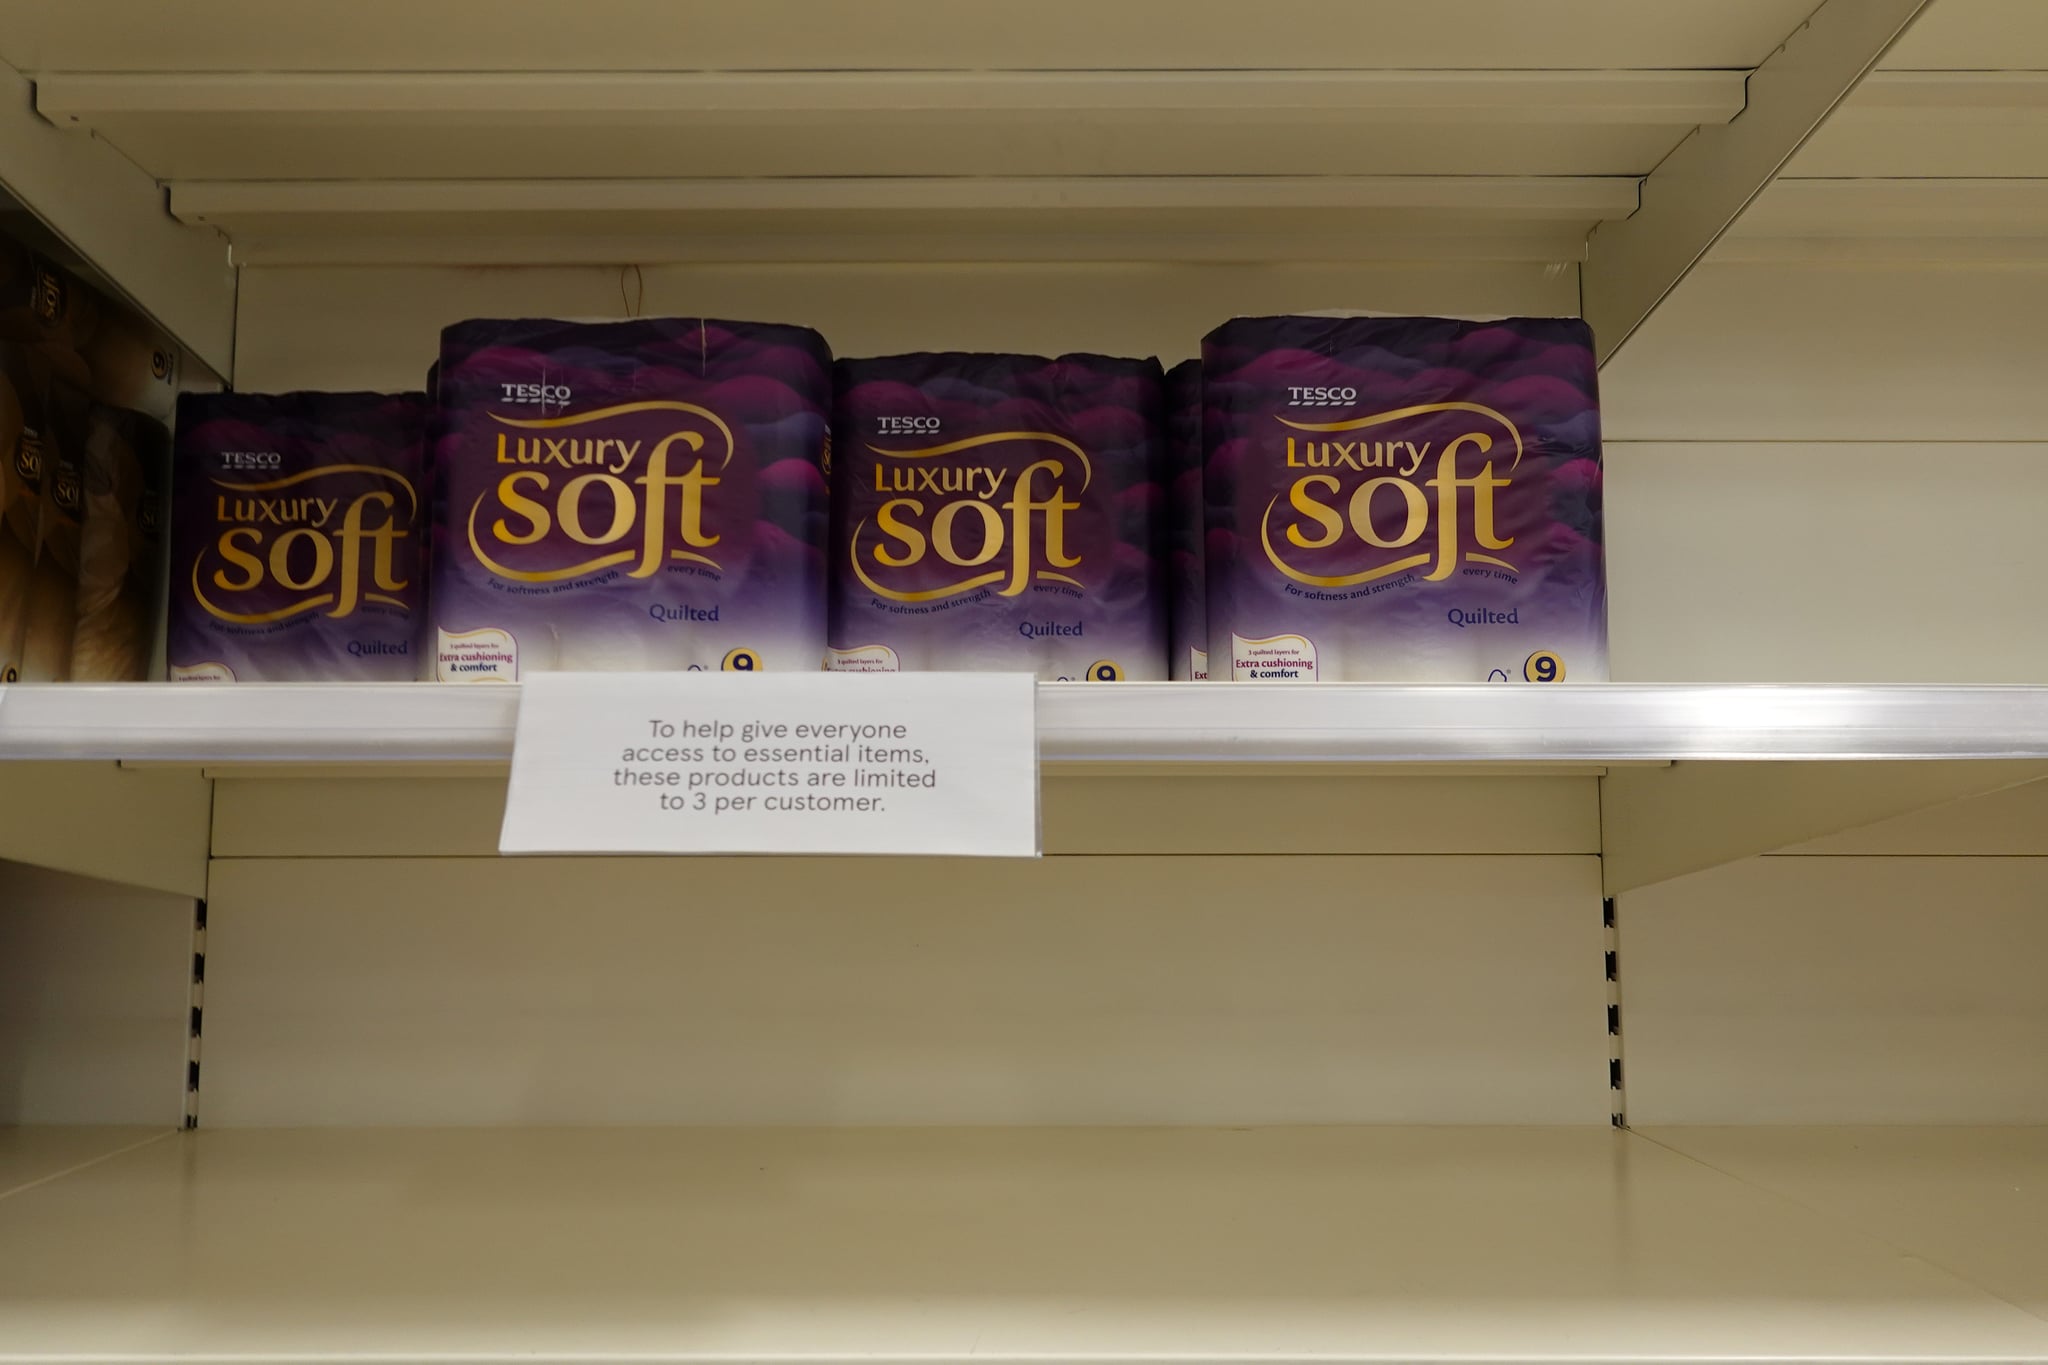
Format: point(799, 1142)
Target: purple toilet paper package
point(297, 525)
point(999, 512)
point(644, 494)
point(1186, 577)
point(1404, 499)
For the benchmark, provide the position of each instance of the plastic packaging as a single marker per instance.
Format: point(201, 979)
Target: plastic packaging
point(296, 538)
point(1186, 560)
point(633, 495)
point(1404, 499)
point(999, 512)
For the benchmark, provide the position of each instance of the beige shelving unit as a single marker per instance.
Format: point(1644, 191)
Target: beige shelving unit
point(1309, 1037)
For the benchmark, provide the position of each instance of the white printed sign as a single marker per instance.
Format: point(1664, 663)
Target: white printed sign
point(922, 763)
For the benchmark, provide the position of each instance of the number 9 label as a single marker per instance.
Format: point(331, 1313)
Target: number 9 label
point(1543, 667)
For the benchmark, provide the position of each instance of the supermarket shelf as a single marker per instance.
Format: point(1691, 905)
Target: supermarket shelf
point(33, 1156)
point(141, 827)
point(789, 35)
point(1703, 188)
point(1691, 776)
point(1562, 1244)
point(88, 99)
point(651, 134)
point(1596, 724)
point(1464, 130)
point(1955, 207)
point(839, 218)
point(1971, 1201)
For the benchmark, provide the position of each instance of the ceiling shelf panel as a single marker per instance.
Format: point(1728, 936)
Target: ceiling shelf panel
point(1960, 207)
point(1567, 198)
point(697, 97)
point(630, 35)
point(596, 125)
point(1975, 35)
point(1935, 125)
point(218, 147)
point(920, 218)
point(1081, 241)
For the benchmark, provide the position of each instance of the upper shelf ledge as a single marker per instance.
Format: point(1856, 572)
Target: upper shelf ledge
point(1086, 722)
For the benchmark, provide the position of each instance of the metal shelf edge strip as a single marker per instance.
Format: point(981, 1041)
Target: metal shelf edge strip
point(1083, 722)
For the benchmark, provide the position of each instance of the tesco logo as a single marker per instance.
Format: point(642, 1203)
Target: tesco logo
point(543, 394)
point(1319, 396)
